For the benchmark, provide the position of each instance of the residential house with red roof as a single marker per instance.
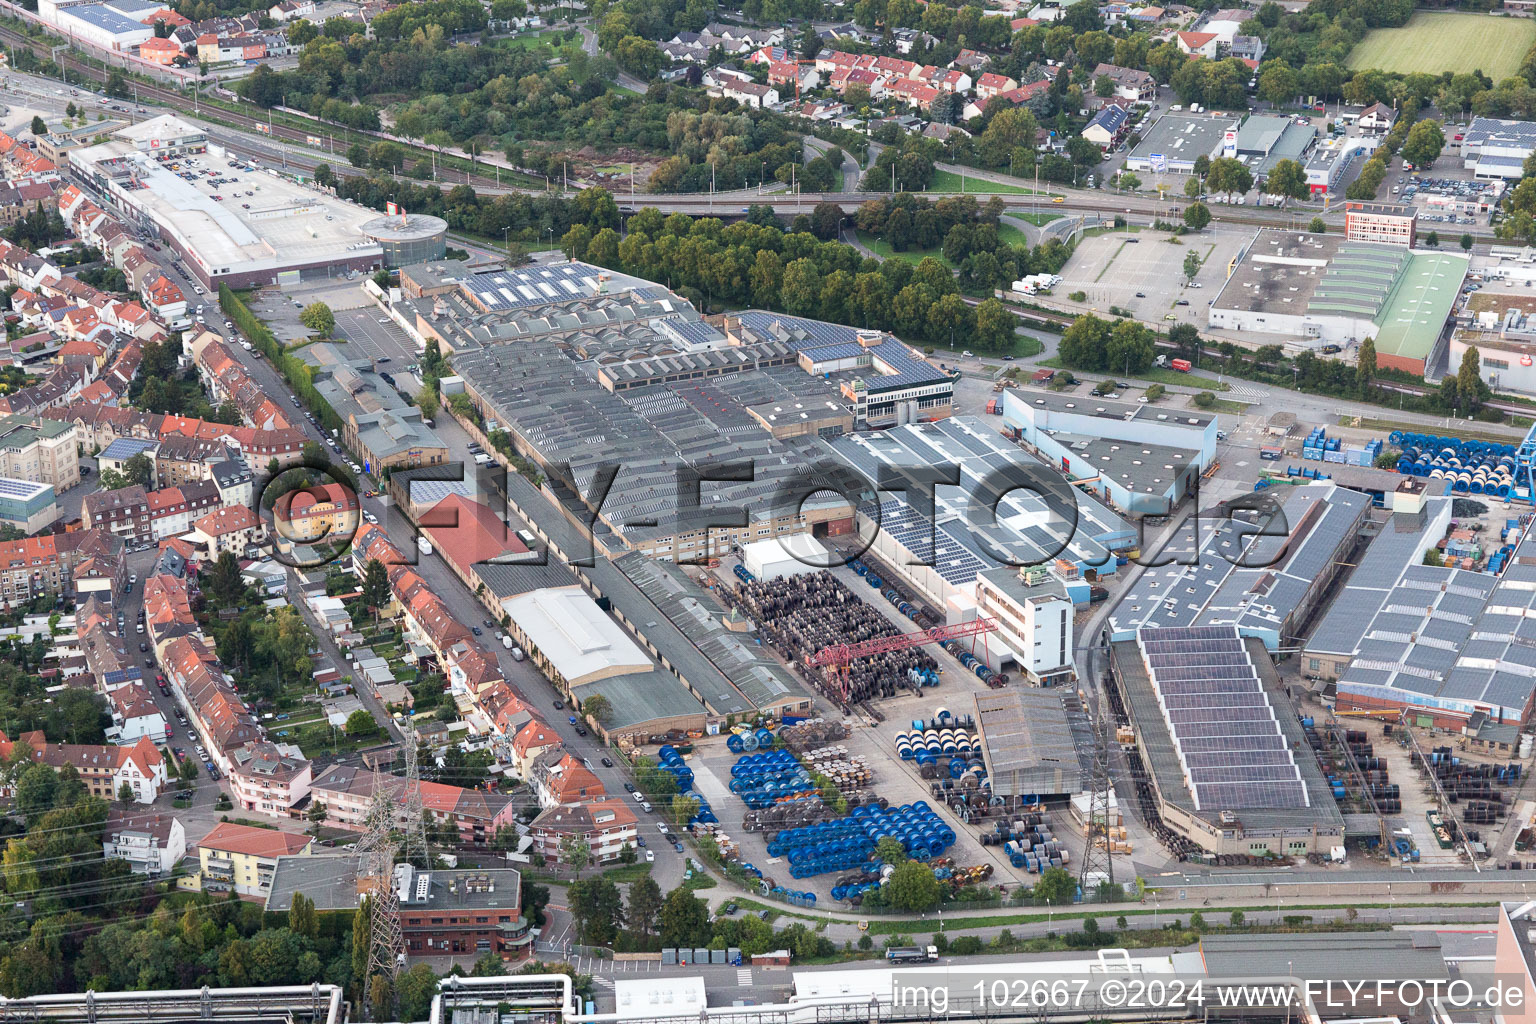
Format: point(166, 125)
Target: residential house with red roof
point(1199, 44)
point(243, 857)
point(104, 769)
point(606, 826)
point(560, 778)
point(233, 528)
point(477, 814)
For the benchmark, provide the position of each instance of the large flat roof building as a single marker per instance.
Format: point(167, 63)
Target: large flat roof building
point(1261, 567)
point(285, 232)
point(1328, 290)
point(1443, 643)
point(1495, 148)
point(1176, 141)
point(996, 517)
point(1223, 749)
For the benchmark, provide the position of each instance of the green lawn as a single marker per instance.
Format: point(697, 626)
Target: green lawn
point(532, 39)
point(883, 249)
point(949, 181)
point(1158, 375)
point(1438, 42)
point(1039, 220)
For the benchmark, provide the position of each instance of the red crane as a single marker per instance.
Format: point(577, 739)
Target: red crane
point(842, 654)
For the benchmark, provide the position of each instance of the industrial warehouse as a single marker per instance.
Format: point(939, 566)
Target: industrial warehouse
point(1324, 289)
point(1228, 766)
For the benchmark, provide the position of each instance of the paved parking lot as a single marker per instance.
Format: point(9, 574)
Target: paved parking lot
point(1111, 269)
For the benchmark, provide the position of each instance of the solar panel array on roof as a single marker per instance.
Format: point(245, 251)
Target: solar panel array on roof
point(1224, 730)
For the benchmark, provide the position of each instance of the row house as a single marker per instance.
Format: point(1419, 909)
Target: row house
point(104, 769)
point(846, 77)
point(226, 378)
point(243, 858)
point(123, 512)
point(915, 93)
point(268, 778)
point(16, 201)
point(739, 86)
point(992, 84)
point(165, 300)
point(20, 162)
point(1131, 84)
point(107, 657)
point(944, 79)
point(477, 814)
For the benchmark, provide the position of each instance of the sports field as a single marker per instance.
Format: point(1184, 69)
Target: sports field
point(1434, 43)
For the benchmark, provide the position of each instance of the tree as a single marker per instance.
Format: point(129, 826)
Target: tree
point(381, 997)
point(1103, 87)
point(426, 401)
point(1191, 264)
point(39, 126)
point(35, 790)
point(1466, 243)
point(801, 289)
point(1317, 226)
point(912, 888)
point(575, 852)
point(1424, 143)
point(301, 917)
point(125, 793)
point(596, 707)
point(1365, 367)
point(317, 316)
point(1277, 82)
point(995, 326)
point(1236, 918)
point(415, 988)
point(1228, 175)
point(644, 906)
point(1432, 240)
point(139, 470)
point(360, 723)
point(1130, 348)
point(685, 919)
point(1083, 343)
point(1288, 179)
point(188, 773)
point(1057, 886)
point(375, 589)
point(1197, 215)
point(684, 807)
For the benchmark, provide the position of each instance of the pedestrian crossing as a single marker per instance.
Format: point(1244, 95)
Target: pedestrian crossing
point(1242, 393)
point(744, 977)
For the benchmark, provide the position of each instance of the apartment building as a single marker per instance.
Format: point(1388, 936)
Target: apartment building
point(242, 857)
point(152, 843)
point(346, 792)
point(606, 826)
point(40, 450)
